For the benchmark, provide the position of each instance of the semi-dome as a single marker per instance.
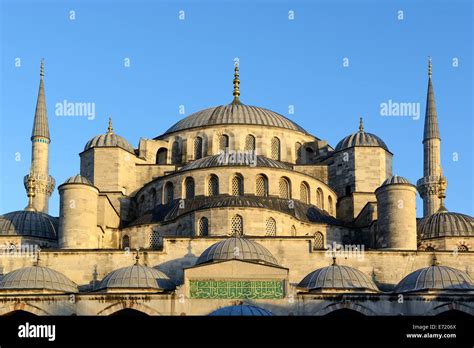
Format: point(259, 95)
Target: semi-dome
point(109, 139)
point(241, 310)
point(237, 248)
point(395, 179)
point(136, 277)
point(445, 224)
point(235, 113)
point(78, 179)
point(29, 223)
point(361, 138)
point(337, 277)
point(435, 278)
point(216, 161)
point(37, 278)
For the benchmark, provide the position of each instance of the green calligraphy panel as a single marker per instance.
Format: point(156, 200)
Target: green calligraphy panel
point(236, 289)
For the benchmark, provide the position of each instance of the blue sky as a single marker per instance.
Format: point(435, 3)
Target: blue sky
point(283, 62)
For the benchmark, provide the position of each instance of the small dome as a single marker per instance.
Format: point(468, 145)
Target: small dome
point(361, 138)
point(241, 310)
point(435, 278)
point(237, 248)
point(136, 277)
point(215, 161)
point(29, 223)
point(336, 277)
point(37, 278)
point(78, 179)
point(234, 114)
point(395, 179)
point(445, 224)
point(109, 140)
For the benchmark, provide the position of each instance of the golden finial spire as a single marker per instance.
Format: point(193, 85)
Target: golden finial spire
point(361, 125)
point(236, 92)
point(42, 68)
point(430, 71)
point(110, 130)
point(442, 184)
point(31, 192)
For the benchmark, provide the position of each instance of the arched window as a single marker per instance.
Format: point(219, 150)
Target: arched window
point(298, 152)
point(462, 248)
point(285, 188)
point(304, 192)
point(125, 242)
point(270, 226)
point(162, 156)
point(319, 198)
point(197, 148)
point(203, 227)
point(155, 240)
point(429, 248)
point(236, 225)
point(330, 205)
point(223, 142)
point(250, 142)
point(275, 148)
point(238, 185)
point(213, 186)
point(261, 186)
point(189, 187)
point(168, 193)
point(176, 153)
point(293, 231)
point(318, 241)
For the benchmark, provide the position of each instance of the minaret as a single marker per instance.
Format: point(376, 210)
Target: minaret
point(40, 192)
point(428, 185)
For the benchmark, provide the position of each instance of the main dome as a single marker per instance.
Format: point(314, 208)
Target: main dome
point(234, 114)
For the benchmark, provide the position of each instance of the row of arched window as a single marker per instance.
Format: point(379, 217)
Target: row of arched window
point(237, 227)
point(237, 189)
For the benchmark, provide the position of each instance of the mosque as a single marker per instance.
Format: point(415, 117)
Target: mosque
point(236, 210)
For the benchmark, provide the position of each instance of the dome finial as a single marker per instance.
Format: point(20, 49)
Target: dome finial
point(430, 69)
point(434, 261)
point(110, 129)
point(361, 125)
point(236, 92)
point(442, 184)
point(137, 256)
point(37, 258)
point(31, 191)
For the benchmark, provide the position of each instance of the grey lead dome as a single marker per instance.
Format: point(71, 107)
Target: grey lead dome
point(37, 278)
point(241, 310)
point(78, 179)
point(29, 223)
point(109, 140)
point(136, 277)
point(234, 114)
point(237, 248)
point(395, 179)
point(337, 277)
point(435, 278)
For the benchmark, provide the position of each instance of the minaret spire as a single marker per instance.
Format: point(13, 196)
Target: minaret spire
point(236, 81)
point(38, 183)
point(428, 185)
